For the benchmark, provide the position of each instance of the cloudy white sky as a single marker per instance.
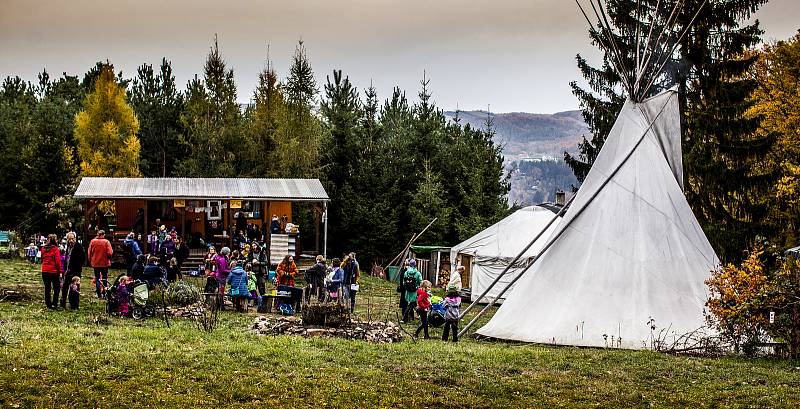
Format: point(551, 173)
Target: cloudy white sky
point(511, 55)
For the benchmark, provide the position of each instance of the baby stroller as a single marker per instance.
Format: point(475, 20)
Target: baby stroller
point(138, 295)
point(138, 305)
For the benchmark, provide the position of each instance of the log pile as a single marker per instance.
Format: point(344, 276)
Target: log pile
point(371, 331)
point(327, 314)
point(16, 294)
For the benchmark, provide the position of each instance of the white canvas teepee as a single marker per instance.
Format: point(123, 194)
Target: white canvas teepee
point(631, 252)
point(492, 250)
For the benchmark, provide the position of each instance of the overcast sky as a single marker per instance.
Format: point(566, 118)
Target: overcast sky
point(511, 55)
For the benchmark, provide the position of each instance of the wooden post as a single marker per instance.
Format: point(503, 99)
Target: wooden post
point(227, 224)
point(317, 217)
point(183, 222)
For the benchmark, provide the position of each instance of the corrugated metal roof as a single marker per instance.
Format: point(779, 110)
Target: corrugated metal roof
point(201, 188)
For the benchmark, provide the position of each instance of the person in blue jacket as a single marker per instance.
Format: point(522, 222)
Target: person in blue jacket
point(238, 282)
point(336, 279)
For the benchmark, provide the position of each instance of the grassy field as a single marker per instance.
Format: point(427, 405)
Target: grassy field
point(63, 359)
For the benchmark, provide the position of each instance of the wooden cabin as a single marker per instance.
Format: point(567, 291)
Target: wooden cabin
point(211, 209)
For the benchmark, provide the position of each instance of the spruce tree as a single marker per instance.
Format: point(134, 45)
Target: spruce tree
point(212, 120)
point(299, 144)
point(265, 119)
point(158, 105)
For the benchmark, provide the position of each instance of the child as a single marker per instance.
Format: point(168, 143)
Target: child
point(173, 272)
point(122, 296)
point(452, 313)
point(423, 307)
point(251, 282)
point(238, 286)
point(74, 293)
point(152, 241)
point(38, 258)
point(31, 253)
point(334, 280)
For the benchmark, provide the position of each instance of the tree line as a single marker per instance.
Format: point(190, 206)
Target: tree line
point(390, 166)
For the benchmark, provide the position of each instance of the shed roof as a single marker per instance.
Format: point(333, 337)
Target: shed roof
point(201, 188)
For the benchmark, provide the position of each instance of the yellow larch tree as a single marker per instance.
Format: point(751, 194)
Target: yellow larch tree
point(106, 130)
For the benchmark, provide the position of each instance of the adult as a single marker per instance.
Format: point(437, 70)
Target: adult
point(401, 288)
point(222, 266)
point(455, 278)
point(167, 250)
point(275, 225)
point(352, 273)
point(315, 279)
point(138, 221)
point(260, 263)
point(51, 271)
point(411, 282)
point(181, 251)
point(287, 270)
point(210, 263)
point(100, 253)
point(73, 265)
point(132, 250)
point(137, 271)
point(336, 278)
point(153, 273)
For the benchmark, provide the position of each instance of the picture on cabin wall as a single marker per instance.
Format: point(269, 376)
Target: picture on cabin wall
point(213, 210)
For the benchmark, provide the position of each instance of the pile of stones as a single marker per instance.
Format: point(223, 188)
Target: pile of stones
point(382, 332)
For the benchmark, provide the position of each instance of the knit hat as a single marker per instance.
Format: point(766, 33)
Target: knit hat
point(225, 251)
point(452, 291)
point(413, 263)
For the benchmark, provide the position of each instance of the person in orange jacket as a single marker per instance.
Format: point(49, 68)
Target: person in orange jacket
point(100, 253)
point(287, 269)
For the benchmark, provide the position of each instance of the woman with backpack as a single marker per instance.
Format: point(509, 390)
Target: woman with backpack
point(411, 282)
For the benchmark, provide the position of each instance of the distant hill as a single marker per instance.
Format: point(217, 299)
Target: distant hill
point(533, 146)
point(524, 133)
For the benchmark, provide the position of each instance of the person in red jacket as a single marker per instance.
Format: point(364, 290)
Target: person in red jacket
point(51, 271)
point(423, 307)
point(100, 253)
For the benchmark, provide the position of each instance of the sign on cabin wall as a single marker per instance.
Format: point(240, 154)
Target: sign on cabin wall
point(236, 204)
point(178, 203)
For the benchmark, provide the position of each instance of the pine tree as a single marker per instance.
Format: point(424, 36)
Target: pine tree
point(158, 105)
point(301, 87)
point(342, 114)
point(106, 130)
point(299, 143)
point(213, 122)
point(265, 119)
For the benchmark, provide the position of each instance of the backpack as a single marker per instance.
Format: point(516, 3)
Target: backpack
point(409, 283)
point(127, 250)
